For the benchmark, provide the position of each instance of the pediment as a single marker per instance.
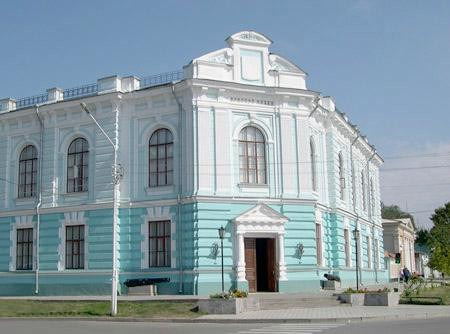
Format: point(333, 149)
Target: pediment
point(261, 213)
point(279, 63)
point(249, 36)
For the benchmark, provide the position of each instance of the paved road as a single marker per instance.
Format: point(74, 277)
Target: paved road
point(434, 326)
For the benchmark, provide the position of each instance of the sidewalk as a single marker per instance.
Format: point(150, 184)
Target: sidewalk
point(335, 314)
point(129, 298)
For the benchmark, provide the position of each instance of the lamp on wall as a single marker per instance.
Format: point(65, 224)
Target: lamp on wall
point(221, 236)
point(356, 236)
point(299, 250)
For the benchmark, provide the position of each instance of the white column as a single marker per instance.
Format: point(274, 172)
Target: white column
point(282, 276)
point(241, 257)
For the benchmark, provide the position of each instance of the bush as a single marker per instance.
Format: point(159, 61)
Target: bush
point(231, 294)
point(350, 290)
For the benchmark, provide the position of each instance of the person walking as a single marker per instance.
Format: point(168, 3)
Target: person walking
point(406, 274)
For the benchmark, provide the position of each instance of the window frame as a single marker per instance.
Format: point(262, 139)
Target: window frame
point(81, 264)
point(312, 147)
point(22, 193)
point(319, 245)
point(29, 246)
point(341, 169)
point(166, 240)
point(166, 145)
point(245, 168)
point(83, 185)
point(363, 191)
point(347, 247)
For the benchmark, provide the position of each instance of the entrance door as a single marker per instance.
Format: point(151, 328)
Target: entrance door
point(250, 263)
point(260, 264)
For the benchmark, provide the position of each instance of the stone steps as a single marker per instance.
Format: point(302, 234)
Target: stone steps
point(280, 301)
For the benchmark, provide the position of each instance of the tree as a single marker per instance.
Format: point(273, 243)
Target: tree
point(394, 212)
point(423, 237)
point(440, 240)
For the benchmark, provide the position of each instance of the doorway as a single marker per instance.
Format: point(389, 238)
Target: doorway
point(260, 264)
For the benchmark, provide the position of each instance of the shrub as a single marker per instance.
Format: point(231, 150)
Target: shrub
point(231, 294)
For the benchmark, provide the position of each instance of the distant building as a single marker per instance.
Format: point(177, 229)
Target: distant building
point(236, 140)
point(398, 237)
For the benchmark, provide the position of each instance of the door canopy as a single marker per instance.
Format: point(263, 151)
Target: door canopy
point(260, 218)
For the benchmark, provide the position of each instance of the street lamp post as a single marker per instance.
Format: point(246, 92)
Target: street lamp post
point(356, 235)
point(221, 236)
point(117, 174)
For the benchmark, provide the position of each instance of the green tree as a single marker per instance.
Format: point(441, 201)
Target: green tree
point(440, 240)
point(423, 237)
point(394, 212)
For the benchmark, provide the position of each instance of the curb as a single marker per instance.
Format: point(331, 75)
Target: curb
point(237, 321)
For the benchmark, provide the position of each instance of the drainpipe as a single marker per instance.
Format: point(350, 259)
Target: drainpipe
point(180, 187)
point(38, 206)
point(370, 212)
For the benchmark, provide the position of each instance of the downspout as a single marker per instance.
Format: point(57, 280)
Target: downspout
point(39, 203)
point(180, 188)
point(353, 170)
point(370, 213)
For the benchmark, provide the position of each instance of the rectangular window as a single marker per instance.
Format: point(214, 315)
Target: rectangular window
point(75, 247)
point(319, 244)
point(159, 243)
point(24, 251)
point(369, 253)
point(377, 253)
point(347, 247)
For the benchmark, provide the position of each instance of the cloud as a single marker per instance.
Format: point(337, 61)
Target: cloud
point(417, 180)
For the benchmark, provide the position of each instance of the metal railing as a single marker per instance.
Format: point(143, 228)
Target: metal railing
point(84, 90)
point(159, 79)
point(31, 100)
point(92, 89)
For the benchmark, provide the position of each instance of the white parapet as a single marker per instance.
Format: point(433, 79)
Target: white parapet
point(109, 84)
point(55, 94)
point(130, 84)
point(7, 104)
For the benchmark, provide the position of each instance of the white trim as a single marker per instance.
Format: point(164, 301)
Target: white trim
point(71, 219)
point(21, 222)
point(158, 213)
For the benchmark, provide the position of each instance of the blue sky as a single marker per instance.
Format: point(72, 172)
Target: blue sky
point(386, 63)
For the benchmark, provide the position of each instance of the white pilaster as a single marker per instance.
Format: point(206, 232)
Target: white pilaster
point(241, 258)
point(282, 276)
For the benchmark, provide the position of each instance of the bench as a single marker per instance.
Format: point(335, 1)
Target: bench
point(144, 286)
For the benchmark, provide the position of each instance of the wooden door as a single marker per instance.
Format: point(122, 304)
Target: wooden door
point(271, 280)
point(250, 263)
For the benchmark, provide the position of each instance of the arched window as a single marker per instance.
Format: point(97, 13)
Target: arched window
point(28, 172)
point(160, 158)
point(77, 165)
point(313, 164)
point(363, 190)
point(252, 156)
point(341, 176)
point(372, 197)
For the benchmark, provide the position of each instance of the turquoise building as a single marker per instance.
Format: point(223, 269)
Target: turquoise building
point(236, 140)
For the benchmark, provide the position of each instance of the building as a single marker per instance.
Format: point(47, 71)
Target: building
point(399, 236)
point(235, 140)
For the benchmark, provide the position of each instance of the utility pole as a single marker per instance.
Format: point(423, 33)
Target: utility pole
point(117, 175)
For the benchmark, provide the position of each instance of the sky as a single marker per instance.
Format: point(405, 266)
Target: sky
point(386, 64)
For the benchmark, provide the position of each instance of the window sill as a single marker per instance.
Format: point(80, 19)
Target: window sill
point(162, 190)
point(25, 201)
point(251, 187)
point(77, 195)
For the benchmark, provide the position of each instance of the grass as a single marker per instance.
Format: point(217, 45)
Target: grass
point(154, 309)
point(440, 291)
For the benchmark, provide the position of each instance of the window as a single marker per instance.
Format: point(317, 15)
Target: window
point(24, 250)
point(313, 165)
point(347, 248)
point(75, 247)
point(252, 156)
point(372, 197)
point(77, 166)
point(27, 172)
point(319, 244)
point(160, 158)
point(369, 253)
point(341, 176)
point(159, 243)
point(363, 190)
